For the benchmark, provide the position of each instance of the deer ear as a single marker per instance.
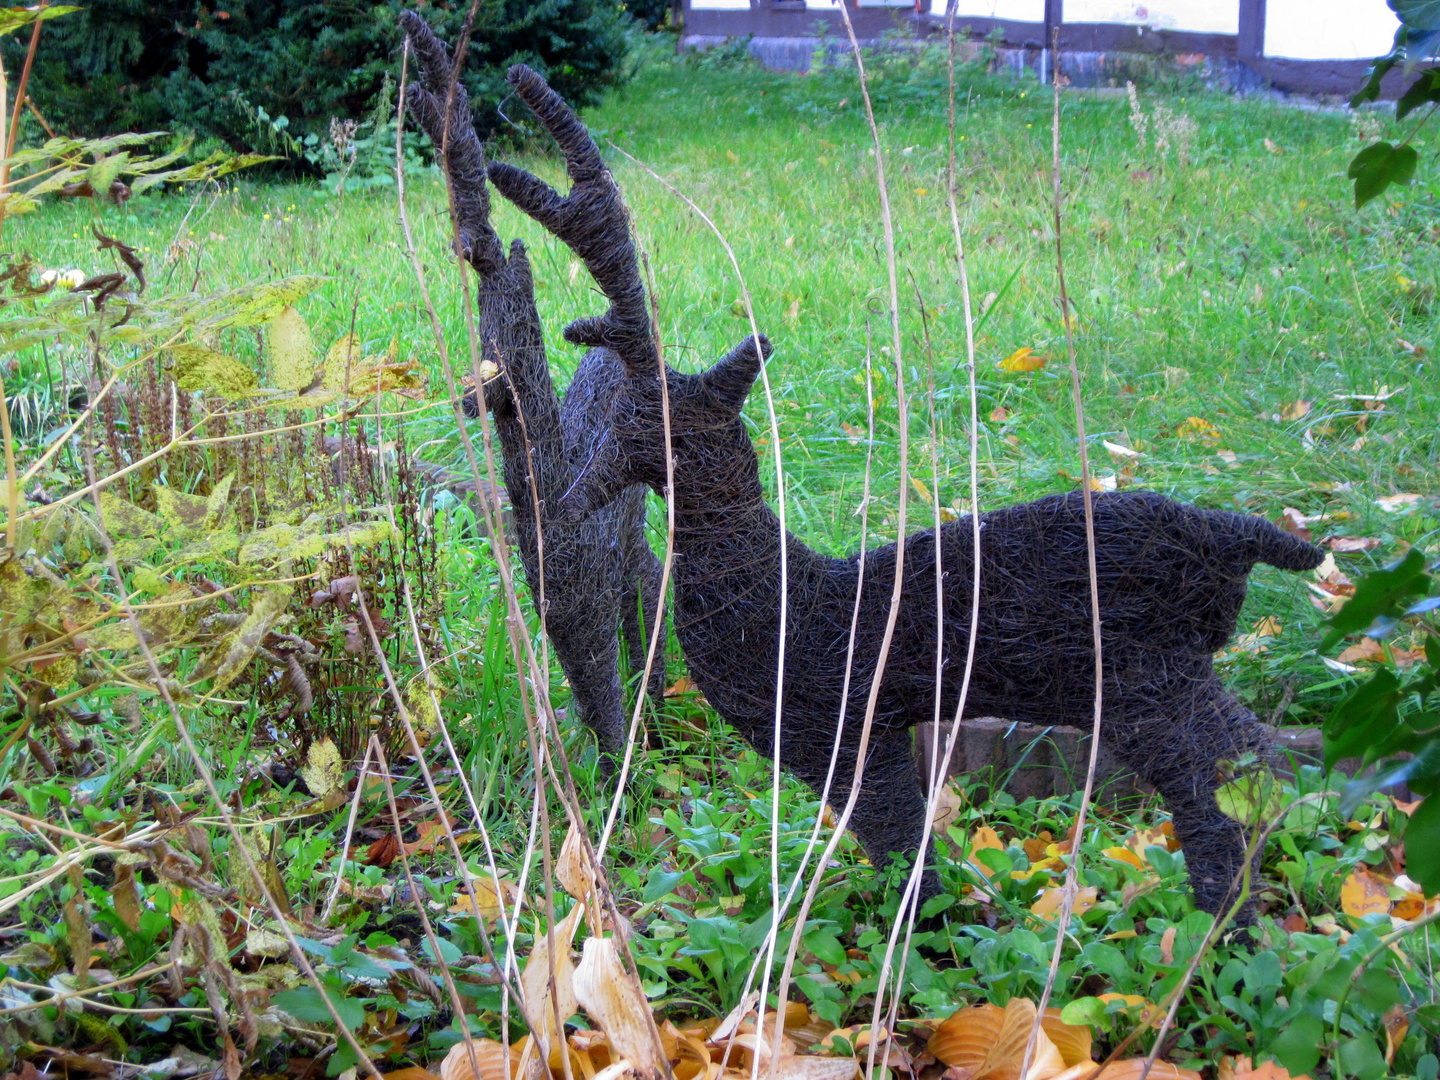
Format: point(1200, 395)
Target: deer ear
point(734, 373)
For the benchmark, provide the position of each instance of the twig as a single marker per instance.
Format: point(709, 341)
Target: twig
point(1067, 903)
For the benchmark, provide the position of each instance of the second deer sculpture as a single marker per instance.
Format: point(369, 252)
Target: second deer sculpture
point(1172, 579)
point(594, 575)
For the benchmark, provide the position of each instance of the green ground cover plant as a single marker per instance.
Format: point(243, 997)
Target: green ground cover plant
point(1248, 341)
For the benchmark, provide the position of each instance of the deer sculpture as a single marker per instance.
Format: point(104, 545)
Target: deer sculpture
point(595, 574)
point(1172, 579)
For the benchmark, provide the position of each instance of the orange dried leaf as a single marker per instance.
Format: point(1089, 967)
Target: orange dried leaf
point(999, 414)
point(484, 897)
point(1072, 1040)
point(1125, 855)
point(1023, 359)
point(1134, 1069)
point(1049, 903)
point(1167, 946)
point(1363, 894)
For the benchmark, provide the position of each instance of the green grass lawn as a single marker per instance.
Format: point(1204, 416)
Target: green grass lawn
point(1259, 343)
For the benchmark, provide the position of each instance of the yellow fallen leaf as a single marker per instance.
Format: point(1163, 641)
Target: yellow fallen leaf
point(1125, 855)
point(1048, 906)
point(1023, 359)
point(572, 869)
point(1363, 893)
point(1198, 429)
point(989, 1042)
point(1295, 410)
point(1240, 1068)
point(484, 897)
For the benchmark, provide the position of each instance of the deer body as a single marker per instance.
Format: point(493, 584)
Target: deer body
point(1171, 580)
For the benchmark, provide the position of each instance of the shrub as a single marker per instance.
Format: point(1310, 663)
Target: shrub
point(227, 71)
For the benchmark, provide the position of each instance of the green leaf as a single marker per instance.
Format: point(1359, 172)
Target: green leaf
point(1378, 70)
point(1084, 1012)
point(250, 307)
point(292, 352)
point(1363, 719)
point(825, 946)
point(197, 368)
point(1424, 90)
point(1251, 799)
point(1377, 167)
point(1297, 1047)
point(659, 883)
point(16, 18)
point(1422, 845)
point(306, 1005)
point(1380, 593)
point(1361, 1057)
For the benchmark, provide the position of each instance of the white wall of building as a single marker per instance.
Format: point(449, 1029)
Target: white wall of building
point(1014, 10)
point(1194, 16)
point(1328, 29)
point(720, 5)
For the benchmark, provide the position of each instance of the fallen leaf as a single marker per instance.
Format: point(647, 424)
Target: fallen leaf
point(1416, 351)
point(1294, 522)
point(1398, 501)
point(1364, 893)
point(1023, 359)
point(1406, 808)
point(1273, 148)
point(1036, 845)
point(948, 804)
point(1295, 410)
point(1167, 946)
point(1229, 457)
point(1118, 451)
point(1295, 923)
point(413, 1072)
point(1344, 544)
point(1124, 855)
point(431, 835)
point(1049, 903)
point(383, 852)
point(680, 686)
point(1197, 429)
point(999, 414)
point(1131, 1069)
point(483, 896)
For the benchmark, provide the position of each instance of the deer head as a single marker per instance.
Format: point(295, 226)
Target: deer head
point(594, 223)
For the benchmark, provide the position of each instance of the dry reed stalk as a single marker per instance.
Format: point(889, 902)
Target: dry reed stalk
point(543, 762)
point(1067, 903)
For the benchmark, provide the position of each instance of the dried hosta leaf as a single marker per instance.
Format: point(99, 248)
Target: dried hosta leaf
point(1129, 1069)
point(814, 1068)
point(991, 1041)
point(292, 352)
point(1072, 1040)
point(323, 770)
point(572, 868)
point(546, 1012)
point(480, 1059)
point(610, 997)
point(1241, 1068)
point(195, 367)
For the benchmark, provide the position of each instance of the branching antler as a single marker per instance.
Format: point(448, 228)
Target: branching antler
point(453, 133)
point(592, 221)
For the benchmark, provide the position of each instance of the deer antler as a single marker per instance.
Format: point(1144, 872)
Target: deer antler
point(455, 136)
point(592, 221)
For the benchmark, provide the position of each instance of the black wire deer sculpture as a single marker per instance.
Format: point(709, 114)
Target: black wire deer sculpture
point(594, 574)
point(1172, 580)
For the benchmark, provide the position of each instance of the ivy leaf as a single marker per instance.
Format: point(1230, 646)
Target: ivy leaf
point(1378, 166)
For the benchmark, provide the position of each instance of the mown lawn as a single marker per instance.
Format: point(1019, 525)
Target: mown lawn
point(1251, 339)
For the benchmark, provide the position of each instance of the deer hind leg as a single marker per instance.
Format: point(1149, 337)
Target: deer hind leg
point(1179, 750)
point(589, 653)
